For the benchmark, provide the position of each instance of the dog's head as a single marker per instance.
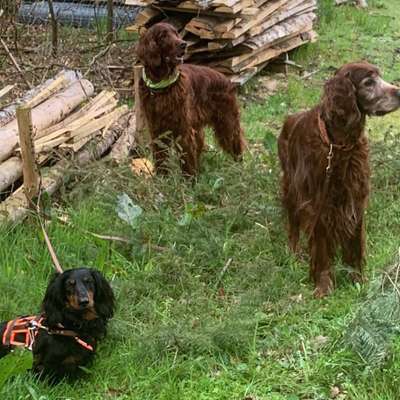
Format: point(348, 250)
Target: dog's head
point(82, 292)
point(357, 89)
point(160, 49)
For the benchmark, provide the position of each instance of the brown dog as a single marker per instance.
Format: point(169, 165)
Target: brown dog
point(324, 157)
point(180, 100)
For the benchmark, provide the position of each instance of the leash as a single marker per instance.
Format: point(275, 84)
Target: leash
point(50, 247)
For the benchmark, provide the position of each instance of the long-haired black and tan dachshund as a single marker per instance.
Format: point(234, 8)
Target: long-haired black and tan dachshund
point(75, 311)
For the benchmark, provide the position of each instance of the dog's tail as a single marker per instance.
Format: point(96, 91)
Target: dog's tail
point(227, 128)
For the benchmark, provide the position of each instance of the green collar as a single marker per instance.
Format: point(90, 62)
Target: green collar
point(162, 84)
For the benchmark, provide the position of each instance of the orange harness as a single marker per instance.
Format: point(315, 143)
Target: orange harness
point(23, 331)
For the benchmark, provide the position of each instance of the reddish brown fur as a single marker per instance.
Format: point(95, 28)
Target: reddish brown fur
point(178, 114)
point(332, 215)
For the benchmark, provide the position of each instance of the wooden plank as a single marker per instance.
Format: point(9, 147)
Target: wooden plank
point(283, 47)
point(199, 11)
point(29, 167)
point(98, 123)
point(295, 7)
point(79, 144)
point(140, 136)
point(210, 27)
point(243, 77)
point(97, 102)
point(58, 84)
point(82, 121)
point(276, 36)
point(235, 63)
point(236, 8)
point(143, 18)
point(227, 3)
point(284, 28)
point(247, 25)
point(14, 208)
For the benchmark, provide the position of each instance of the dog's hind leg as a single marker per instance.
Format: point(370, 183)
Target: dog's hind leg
point(160, 148)
point(294, 231)
point(189, 152)
point(200, 142)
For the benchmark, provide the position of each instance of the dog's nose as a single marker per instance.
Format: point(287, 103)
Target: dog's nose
point(183, 45)
point(83, 302)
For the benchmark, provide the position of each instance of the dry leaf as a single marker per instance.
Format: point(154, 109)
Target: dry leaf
point(335, 392)
point(142, 167)
point(296, 298)
point(320, 341)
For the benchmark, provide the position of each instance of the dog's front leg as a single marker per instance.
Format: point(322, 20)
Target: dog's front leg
point(188, 153)
point(354, 252)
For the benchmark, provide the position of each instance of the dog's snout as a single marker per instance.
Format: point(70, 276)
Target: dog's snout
point(83, 302)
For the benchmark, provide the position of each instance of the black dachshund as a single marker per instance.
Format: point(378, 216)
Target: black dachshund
point(75, 311)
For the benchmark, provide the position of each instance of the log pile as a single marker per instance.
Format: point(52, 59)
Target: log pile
point(67, 121)
point(237, 37)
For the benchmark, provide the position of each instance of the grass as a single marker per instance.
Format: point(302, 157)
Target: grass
point(184, 330)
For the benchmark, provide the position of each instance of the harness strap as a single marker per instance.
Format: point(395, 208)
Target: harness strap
point(22, 332)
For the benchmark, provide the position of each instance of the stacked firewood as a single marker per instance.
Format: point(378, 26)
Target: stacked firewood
point(67, 120)
point(237, 37)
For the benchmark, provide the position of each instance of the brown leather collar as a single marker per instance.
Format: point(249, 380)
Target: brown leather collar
point(323, 134)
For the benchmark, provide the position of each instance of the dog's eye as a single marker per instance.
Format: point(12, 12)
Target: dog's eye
point(71, 282)
point(369, 82)
point(87, 280)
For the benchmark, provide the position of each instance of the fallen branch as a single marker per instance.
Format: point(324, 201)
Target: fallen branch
point(6, 90)
point(14, 62)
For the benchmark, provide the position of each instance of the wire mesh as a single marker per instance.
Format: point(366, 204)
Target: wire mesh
point(39, 38)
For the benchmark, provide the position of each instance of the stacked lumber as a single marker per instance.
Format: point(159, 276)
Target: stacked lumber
point(116, 2)
point(237, 37)
point(66, 118)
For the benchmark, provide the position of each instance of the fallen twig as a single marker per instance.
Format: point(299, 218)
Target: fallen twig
point(221, 275)
point(6, 90)
point(14, 61)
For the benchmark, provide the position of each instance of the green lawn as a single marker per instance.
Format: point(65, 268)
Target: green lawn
point(183, 330)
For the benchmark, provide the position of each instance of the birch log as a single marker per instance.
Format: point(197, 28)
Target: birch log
point(46, 114)
point(8, 113)
point(125, 143)
point(10, 171)
point(15, 208)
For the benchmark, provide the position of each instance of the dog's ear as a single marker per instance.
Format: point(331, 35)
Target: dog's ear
point(147, 51)
point(53, 302)
point(339, 102)
point(103, 297)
